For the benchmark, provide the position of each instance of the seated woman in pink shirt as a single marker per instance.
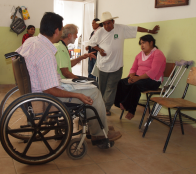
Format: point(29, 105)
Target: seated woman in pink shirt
point(146, 74)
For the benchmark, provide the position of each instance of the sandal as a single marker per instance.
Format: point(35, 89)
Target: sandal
point(108, 113)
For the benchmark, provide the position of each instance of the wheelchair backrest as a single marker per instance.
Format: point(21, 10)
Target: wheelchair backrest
point(21, 73)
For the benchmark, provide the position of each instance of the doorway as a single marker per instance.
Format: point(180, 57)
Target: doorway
point(81, 13)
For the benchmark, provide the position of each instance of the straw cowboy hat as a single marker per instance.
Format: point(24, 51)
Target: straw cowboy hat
point(106, 16)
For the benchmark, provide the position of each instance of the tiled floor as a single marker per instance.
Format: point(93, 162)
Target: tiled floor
point(131, 154)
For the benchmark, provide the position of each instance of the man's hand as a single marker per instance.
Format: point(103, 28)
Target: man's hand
point(90, 55)
point(86, 48)
point(85, 99)
point(102, 52)
point(155, 29)
point(133, 79)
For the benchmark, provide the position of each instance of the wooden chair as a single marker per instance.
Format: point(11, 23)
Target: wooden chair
point(76, 52)
point(175, 103)
point(168, 70)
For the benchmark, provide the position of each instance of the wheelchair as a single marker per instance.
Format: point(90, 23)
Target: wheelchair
point(36, 128)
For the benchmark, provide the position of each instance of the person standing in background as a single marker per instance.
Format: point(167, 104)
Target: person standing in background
point(91, 62)
point(80, 42)
point(30, 33)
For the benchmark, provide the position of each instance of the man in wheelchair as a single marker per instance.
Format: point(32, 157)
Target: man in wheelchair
point(39, 53)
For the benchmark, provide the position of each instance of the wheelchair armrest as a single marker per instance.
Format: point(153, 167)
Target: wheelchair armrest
point(72, 105)
point(12, 54)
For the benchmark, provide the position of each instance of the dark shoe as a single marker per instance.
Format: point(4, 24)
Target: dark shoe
point(94, 138)
point(108, 113)
point(97, 140)
point(88, 135)
point(113, 135)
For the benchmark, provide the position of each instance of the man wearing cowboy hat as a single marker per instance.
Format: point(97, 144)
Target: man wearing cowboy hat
point(110, 39)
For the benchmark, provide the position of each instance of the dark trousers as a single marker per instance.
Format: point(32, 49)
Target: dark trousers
point(91, 64)
point(108, 85)
point(129, 94)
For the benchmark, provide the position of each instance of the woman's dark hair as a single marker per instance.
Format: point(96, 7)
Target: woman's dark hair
point(148, 38)
point(30, 26)
point(96, 19)
point(49, 23)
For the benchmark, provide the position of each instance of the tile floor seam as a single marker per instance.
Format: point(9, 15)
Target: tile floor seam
point(56, 164)
point(111, 161)
point(190, 172)
point(100, 168)
point(123, 152)
point(161, 155)
point(38, 171)
point(126, 159)
point(140, 166)
point(90, 157)
point(14, 166)
point(174, 162)
point(75, 166)
point(174, 171)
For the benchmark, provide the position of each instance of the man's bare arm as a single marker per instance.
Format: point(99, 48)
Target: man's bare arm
point(153, 31)
point(66, 73)
point(101, 51)
point(75, 61)
point(65, 94)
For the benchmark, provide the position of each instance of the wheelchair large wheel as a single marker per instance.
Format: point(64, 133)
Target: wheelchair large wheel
point(72, 151)
point(40, 148)
point(9, 97)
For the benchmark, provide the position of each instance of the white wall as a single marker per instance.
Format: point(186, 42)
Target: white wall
point(72, 12)
point(36, 9)
point(142, 11)
point(74, 15)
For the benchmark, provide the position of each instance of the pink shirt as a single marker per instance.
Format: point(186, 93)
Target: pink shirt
point(154, 66)
point(39, 54)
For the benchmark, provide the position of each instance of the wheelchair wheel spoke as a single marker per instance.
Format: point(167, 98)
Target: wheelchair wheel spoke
point(44, 115)
point(28, 144)
point(9, 131)
point(45, 142)
point(52, 128)
point(29, 118)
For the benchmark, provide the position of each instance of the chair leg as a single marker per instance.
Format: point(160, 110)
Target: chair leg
point(170, 131)
point(169, 111)
point(121, 114)
point(146, 127)
point(145, 109)
point(149, 120)
point(148, 98)
point(181, 123)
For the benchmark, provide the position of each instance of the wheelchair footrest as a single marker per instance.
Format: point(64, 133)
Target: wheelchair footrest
point(103, 143)
point(88, 136)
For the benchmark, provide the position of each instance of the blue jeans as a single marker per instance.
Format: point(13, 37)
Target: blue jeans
point(91, 64)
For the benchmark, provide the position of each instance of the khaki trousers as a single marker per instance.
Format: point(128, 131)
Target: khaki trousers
point(98, 104)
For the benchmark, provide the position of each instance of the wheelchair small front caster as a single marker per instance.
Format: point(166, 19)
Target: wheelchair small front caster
point(72, 151)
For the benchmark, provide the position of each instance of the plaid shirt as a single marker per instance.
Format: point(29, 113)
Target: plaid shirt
point(39, 54)
point(25, 37)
